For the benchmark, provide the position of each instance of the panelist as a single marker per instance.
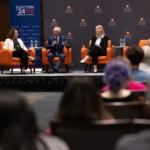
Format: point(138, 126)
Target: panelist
point(56, 45)
point(98, 47)
point(18, 48)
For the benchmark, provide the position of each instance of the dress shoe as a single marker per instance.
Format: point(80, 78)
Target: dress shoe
point(95, 71)
point(82, 62)
point(55, 71)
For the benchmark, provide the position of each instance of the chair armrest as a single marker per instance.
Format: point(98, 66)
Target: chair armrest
point(84, 52)
point(44, 53)
point(109, 53)
point(5, 57)
point(69, 55)
point(31, 52)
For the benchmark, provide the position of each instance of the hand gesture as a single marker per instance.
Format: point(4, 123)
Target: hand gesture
point(64, 43)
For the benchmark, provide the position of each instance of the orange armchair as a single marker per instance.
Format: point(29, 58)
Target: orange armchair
point(68, 58)
point(141, 44)
point(6, 59)
point(101, 59)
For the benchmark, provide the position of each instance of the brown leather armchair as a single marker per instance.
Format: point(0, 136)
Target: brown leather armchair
point(101, 59)
point(6, 59)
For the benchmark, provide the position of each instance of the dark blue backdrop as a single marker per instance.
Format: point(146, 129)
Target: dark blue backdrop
point(25, 16)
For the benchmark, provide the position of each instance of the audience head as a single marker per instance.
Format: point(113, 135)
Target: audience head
point(126, 60)
point(99, 30)
point(17, 122)
point(13, 34)
point(80, 102)
point(135, 54)
point(117, 74)
point(56, 31)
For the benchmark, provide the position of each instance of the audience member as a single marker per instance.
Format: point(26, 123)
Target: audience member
point(18, 128)
point(81, 103)
point(145, 64)
point(130, 83)
point(117, 75)
point(136, 54)
point(137, 141)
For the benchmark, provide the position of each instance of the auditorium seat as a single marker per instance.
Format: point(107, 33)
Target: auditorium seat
point(67, 61)
point(99, 135)
point(101, 59)
point(6, 59)
point(126, 110)
point(141, 44)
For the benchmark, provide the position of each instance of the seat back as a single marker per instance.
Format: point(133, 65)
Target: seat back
point(1, 45)
point(126, 110)
point(108, 46)
point(102, 135)
point(99, 135)
point(143, 43)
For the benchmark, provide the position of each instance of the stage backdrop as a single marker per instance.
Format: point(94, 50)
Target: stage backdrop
point(121, 18)
point(25, 16)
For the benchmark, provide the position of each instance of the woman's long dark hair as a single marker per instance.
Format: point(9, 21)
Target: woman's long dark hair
point(80, 102)
point(11, 33)
point(18, 129)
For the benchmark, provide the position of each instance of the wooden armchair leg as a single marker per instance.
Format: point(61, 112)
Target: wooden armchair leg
point(12, 67)
point(67, 68)
point(90, 67)
point(86, 67)
point(2, 69)
point(30, 69)
point(46, 69)
point(34, 68)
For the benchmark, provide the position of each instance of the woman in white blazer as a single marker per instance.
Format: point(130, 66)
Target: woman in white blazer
point(19, 49)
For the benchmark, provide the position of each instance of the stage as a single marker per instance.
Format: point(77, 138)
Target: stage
point(40, 81)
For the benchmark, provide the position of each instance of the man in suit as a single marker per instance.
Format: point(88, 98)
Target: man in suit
point(56, 44)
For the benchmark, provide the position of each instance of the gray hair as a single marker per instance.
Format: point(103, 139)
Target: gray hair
point(57, 29)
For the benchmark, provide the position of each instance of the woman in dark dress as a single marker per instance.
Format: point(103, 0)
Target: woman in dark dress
point(19, 49)
point(98, 47)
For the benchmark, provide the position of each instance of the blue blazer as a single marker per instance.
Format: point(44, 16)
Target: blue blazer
point(59, 47)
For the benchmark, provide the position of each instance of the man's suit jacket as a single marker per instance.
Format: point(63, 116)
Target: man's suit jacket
point(103, 43)
point(59, 47)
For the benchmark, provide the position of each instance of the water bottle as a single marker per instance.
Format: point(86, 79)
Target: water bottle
point(121, 42)
point(31, 43)
point(36, 43)
point(124, 42)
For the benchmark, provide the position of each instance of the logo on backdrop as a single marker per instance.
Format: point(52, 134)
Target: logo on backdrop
point(112, 22)
point(141, 22)
point(97, 9)
point(128, 35)
point(83, 23)
point(69, 36)
point(69, 10)
point(54, 23)
point(25, 10)
point(127, 9)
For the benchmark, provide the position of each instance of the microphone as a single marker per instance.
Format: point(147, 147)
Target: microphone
point(55, 39)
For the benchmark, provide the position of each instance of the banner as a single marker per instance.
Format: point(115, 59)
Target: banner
point(25, 16)
point(129, 19)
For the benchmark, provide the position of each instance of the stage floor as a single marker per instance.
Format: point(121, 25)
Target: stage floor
point(39, 73)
